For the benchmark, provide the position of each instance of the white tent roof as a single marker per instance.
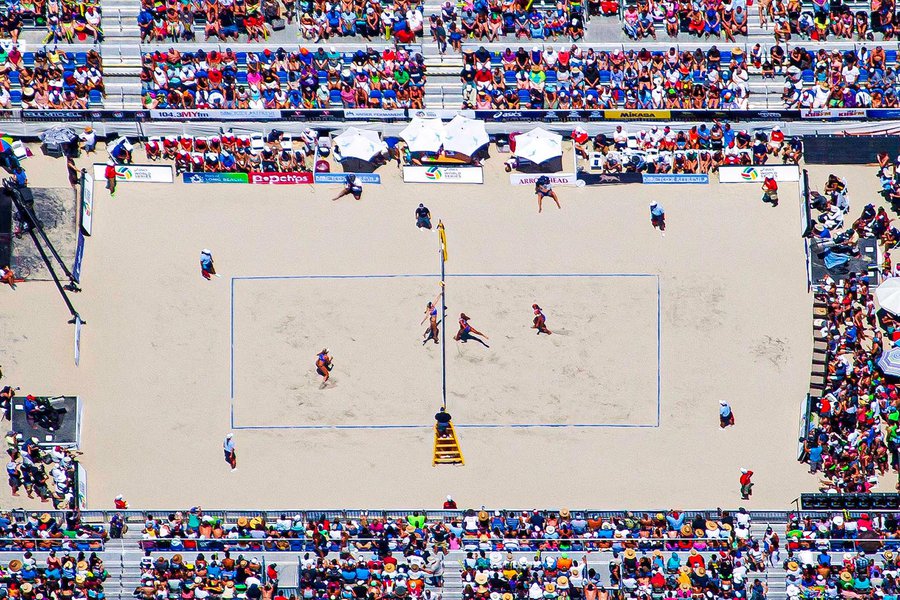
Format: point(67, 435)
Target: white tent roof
point(424, 135)
point(538, 145)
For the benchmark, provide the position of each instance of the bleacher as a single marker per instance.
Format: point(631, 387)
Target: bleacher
point(69, 61)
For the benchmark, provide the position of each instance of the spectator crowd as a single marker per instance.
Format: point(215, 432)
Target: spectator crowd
point(50, 78)
point(278, 79)
point(61, 576)
point(701, 149)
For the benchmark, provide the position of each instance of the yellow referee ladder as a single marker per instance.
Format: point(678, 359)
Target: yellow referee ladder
point(446, 448)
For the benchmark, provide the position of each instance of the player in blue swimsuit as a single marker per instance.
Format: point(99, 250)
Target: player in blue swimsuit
point(323, 365)
point(431, 313)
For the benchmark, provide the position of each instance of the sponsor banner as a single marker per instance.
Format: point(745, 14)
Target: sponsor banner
point(200, 177)
point(439, 113)
point(313, 115)
point(639, 115)
point(79, 257)
point(87, 202)
point(82, 487)
point(77, 345)
point(883, 113)
point(833, 113)
point(84, 115)
point(138, 173)
point(375, 114)
point(280, 178)
point(531, 178)
point(438, 174)
point(675, 178)
point(217, 115)
point(756, 174)
point(341, 178)
point(609, 178)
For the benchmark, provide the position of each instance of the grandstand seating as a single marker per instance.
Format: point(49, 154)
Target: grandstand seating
point(51, 79)
point(278, 79)
point(701, 77)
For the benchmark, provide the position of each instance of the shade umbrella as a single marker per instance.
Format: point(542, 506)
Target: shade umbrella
point(888, 295)
point(5, 146)
point(538, 145)
point(61, 134)
point(359, 143)
point(465, 135)
point(889, 362)
point(423, 135)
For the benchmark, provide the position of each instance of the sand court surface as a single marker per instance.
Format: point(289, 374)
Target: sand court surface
point(732, 313)
point(599, 367)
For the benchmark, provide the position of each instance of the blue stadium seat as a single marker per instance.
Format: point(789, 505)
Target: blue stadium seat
point(551, 76)
point(375, 95)
point(524, 96)
point(495, 59)
point(604, 77)
point(15, 96)
point(95, 97)
point(334, 97)
point(14, 77)
point(725, 56)
point(863, 76)
point(890, 57)
point(81, 58)
point(241, 58)
point(390, 95)
point(242, 77)
point(808, 76)
point(28, 59)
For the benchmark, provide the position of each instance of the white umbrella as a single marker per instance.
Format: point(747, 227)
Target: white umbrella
point(538, 145)
point(424, 135)
point(464, 135)
point(359, 143)
point(888, 295)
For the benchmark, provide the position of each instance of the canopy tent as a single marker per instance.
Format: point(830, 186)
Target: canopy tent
point(538, 146)
point(363, 144)
point(423, 135)
point(888, 295)
point(465, 136)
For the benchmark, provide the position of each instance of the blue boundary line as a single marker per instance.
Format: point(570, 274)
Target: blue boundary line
point(476, 425)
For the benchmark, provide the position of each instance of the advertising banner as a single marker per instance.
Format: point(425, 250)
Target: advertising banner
point(438, 174)
point(832, 113)
point(531, 178)
point(79, 257)
point(313, 115)
point(640, 115)
point(82, 487)
point(200, 177)
point(280, 178)
point(87, 202)
point(609, 178)
point(77, 340)
point(341, 178)
point(675, 178)
point(439, 113)
point(374, 114)
point(138, 173)
point(756, 174)
point(218, 115)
